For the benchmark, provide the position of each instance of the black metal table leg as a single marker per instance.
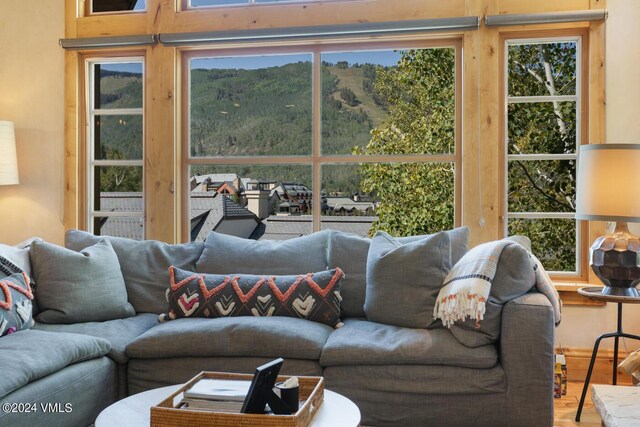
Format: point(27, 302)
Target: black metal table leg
point(589, 371)
point(616, 335)
point(614, 379)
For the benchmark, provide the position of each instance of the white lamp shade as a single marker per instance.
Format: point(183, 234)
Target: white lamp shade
point(8, 158)
point(609, 182)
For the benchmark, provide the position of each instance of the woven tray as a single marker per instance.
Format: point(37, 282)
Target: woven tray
point(164, 414)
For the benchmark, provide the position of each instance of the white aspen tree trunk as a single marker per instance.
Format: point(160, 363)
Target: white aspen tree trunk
point(550, 85)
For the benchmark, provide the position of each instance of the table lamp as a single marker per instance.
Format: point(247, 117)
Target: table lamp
point(608, 189)
point(8, 158)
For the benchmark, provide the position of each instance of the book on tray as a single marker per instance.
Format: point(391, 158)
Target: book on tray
point(216, 395)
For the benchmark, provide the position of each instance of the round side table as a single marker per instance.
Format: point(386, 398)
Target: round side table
point(595, 292)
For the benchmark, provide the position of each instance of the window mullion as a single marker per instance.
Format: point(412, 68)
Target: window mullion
point(118, 112)
point(120, 214)
point(544, 157)
point(534, 215)
point(316, 114)
point(117, 163)
point(542, 98)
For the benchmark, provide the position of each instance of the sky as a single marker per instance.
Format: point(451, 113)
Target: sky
point(384, 58)
point(129, 67)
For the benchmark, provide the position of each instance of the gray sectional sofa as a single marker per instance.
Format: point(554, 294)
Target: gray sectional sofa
point(398, 376)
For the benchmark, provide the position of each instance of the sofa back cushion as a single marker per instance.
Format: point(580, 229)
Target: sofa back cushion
point(311, 296)
point(144, 264)
point(74, 287)
point(403, 279)
point(224, 254)
point(349, 252)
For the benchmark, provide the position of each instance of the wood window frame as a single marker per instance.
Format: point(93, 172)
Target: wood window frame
point(85, 160)
point(316, 159)
point(582, 227)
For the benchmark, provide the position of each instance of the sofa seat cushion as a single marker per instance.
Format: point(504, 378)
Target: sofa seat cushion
point(84, 389)
point(119, 332)
point(361, 342)
point(29, 355)
point(418, 379)
point(232, 336)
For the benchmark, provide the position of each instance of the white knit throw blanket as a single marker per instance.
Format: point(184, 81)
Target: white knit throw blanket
point(467, 286)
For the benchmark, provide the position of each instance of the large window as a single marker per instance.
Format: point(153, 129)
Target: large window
point(115, 147)
point(282, 142)
point(542, 136)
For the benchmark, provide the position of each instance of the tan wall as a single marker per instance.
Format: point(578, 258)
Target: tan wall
point(581, 325)
point(32, 96)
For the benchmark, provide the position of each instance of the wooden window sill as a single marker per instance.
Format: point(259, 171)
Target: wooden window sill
point(569, 294)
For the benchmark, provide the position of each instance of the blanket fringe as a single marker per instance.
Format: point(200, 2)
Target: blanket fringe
point(458, 307)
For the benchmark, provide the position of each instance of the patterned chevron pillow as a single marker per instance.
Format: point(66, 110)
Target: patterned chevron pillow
point(312, 296)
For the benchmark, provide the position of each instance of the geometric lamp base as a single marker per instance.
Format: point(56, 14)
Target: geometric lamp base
point(615, 258)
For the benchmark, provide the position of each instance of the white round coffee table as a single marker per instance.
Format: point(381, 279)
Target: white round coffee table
point(133, 411)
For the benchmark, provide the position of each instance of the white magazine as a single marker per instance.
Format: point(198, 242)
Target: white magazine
point(216, 389)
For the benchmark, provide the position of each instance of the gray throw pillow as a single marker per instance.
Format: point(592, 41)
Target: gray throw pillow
point(403, 279)
point(458, 239)
point(19, 257)
point(349, 252)
point(75, 287)
point(145, 265)
point(224, 254)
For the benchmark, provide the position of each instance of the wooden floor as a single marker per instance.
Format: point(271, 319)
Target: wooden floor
point(566, 407)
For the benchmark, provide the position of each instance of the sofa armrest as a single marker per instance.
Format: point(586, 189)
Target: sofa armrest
point(526, 353)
